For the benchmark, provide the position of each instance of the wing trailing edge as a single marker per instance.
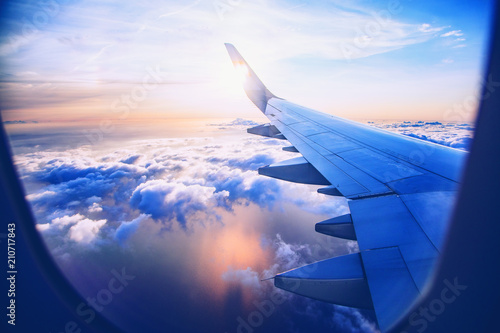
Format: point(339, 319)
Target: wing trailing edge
point(266, 130)
point(295, 170)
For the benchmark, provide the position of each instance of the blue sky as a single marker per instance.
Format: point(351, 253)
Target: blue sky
point(65, 60)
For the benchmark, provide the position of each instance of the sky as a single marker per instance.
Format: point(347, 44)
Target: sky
point(80, 61)
point(128, 126)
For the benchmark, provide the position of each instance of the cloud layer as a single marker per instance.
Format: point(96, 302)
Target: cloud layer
point(196, 202)
point(451, 134)
point(197, 207)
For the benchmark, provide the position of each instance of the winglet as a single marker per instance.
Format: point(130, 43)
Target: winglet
point(254, 88)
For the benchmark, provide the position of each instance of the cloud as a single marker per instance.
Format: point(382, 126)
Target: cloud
point(164, 200)
point(351, 320)
point(390, 36)
point(196, 203)
point(40, 196)
point(43, 227)
point(86, 230)
point(131, 159)
point(250, 163)
point(176, 182)
point(173, 181)
point(450, 134)
point(456, 42)
point(456, 33)
point(66, 220)
point(462, 143)
point(95, 208)
point(237, 122)
point(288, 255)
point(110, 43)
point(93, 199)
point(180, 182)
point(12, 122)
point(426, 27)
point(76, 228)
point(127, 229)
point(183, 195)
point(245, 277)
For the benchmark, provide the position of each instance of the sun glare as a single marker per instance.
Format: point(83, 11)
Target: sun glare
point(231, 79)
point(242, 72)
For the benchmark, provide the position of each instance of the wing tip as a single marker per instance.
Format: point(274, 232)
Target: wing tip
point(253, 86)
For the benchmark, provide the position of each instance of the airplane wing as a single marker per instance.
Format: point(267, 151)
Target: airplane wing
point(401, 193)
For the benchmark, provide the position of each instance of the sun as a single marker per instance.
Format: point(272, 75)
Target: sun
point(242, 72)
point(232, 78)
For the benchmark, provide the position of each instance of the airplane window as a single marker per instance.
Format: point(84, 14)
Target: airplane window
point(127, 124)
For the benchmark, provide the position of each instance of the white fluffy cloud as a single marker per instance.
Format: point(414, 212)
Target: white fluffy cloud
point(61, 222)
point(163, 199)
point(85, 231)
point(76, 228)
point(245, 277)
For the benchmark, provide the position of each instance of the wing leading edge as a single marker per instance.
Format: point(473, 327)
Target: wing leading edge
point(401, 191)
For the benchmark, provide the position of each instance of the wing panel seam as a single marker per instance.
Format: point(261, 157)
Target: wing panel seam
point(392, 155)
